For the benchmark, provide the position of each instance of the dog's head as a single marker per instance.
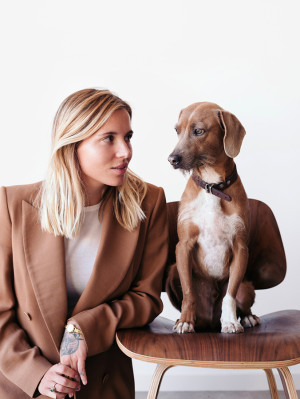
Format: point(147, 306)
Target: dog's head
point(207, 134)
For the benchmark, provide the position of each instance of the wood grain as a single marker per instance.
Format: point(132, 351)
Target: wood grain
point(272, 384)
point(288, 383)
point(274, 343)
point(267, 262)
point(156, 380)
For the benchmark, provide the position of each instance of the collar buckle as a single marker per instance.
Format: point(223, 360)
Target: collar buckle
point(208, 187)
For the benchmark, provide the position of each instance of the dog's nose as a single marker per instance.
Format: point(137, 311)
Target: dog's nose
point(174, 159)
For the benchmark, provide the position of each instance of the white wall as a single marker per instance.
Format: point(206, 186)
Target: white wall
point(161, 56)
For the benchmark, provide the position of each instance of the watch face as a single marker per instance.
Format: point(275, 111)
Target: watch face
point(70, 327)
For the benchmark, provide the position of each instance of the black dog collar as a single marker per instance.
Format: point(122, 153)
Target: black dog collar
point(217, 188)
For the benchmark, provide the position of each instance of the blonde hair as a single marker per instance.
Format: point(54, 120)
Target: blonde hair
point(62, 198)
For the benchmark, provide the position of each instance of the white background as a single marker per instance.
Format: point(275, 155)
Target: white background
point(161, 56)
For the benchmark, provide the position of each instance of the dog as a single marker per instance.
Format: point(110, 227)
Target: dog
point(207, 282)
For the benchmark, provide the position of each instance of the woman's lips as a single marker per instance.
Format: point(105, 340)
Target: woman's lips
point(121, 169)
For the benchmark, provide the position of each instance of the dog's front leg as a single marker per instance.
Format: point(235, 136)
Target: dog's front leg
point(186, 322)
point(229, 321)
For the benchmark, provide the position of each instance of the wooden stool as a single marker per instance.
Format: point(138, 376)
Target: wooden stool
point(274, 344)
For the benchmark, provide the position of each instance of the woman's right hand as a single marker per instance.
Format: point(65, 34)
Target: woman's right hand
point(59, 381)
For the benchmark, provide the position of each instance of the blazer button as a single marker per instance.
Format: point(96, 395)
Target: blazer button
point(28, 316)
point(105, 378)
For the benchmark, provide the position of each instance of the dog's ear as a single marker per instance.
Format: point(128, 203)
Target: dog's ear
point(234, 133)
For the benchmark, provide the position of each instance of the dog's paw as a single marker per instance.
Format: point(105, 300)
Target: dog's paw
point(182, 327)
point(250, 321)
point(231, 327)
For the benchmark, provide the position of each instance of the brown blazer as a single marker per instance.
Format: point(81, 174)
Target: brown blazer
point(123, 291)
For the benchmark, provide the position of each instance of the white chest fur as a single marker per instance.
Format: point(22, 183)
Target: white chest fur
point(217, 230)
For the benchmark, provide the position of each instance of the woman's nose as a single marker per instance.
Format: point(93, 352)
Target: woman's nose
point(124, 150)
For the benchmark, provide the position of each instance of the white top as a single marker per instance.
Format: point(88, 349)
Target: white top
point(80, 254)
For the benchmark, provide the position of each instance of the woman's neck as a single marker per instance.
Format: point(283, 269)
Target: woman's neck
point(93, 197)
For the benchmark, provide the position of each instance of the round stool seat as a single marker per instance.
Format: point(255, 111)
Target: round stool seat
point(273, 343)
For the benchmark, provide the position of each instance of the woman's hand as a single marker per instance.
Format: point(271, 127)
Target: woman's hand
point(73, 352)
point(59, 381)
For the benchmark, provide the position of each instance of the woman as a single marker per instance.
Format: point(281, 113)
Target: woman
point(81, 255)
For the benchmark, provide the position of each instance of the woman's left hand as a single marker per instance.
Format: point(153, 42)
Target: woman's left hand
point(73, 352)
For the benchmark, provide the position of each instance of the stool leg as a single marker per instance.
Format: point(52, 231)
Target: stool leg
point(272, 383)
point(288, 383)
point(156, 380)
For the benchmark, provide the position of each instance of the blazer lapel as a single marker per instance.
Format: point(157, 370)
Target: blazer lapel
point(113, 261)
point(44, 255)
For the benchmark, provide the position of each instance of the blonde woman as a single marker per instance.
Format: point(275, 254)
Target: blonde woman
point(81, 255)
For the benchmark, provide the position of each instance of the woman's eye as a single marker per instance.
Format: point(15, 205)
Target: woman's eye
point(109, 138)
point(128, 137)
point(199, 132)
point(176, 130)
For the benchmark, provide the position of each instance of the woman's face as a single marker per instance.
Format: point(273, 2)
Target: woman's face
point(104, 156)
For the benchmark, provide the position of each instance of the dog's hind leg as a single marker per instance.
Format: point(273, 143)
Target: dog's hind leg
point(173, 287)
point(245, 300)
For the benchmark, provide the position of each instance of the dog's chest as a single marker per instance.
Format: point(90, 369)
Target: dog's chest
point(216, 231)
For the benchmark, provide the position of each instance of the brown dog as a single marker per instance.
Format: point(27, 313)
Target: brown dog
point(213, 225)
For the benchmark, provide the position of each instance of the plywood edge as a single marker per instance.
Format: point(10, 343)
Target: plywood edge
point(208, 364)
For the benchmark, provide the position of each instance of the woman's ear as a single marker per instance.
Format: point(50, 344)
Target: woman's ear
point(234, 133)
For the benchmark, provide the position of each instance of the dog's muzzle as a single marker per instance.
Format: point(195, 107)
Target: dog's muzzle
point(175, 160)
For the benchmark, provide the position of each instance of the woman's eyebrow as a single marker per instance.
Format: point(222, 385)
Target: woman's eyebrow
point(113, 133)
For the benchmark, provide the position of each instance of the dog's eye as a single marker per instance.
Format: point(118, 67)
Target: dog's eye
point(199, 132)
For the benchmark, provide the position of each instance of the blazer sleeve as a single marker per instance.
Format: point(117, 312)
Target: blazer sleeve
point(142, 303)
point(20, 363)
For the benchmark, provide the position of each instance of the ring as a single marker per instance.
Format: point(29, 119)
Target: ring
point(52, 389)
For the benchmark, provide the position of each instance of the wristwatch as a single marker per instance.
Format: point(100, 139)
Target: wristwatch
point(72, 329)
